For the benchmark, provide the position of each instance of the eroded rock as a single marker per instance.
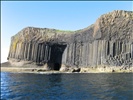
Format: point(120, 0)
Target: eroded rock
point(109, 41)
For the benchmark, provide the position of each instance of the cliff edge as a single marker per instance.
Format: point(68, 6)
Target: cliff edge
point(108, 42)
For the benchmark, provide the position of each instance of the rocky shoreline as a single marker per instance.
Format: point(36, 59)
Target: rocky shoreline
point(6, 67)
point(106, 43)
point(103, 47)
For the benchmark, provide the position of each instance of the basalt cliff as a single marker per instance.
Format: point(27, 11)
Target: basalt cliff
point(108, 42)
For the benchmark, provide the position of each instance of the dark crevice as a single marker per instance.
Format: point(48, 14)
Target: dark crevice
point(114, 49)
point(108, 49)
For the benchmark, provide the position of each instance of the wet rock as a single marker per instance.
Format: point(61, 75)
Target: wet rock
point(46, 67)
point(64, 68)
point(76, 70)
point(113, 70)
point(41, 70)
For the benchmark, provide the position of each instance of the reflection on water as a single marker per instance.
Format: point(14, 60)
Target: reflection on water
point(19, 86)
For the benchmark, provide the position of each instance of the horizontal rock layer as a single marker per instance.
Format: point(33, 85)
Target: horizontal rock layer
point(109, 41)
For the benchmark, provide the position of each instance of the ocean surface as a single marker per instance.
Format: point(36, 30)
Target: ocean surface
point(26, 86)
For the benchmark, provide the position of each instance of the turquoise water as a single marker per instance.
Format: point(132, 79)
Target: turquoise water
point(22, 86)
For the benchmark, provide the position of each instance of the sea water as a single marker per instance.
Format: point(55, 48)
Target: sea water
point(72, 86)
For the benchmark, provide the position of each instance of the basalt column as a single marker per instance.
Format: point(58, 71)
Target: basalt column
point(99, 52)
point(77, 52)
point(107, 42)
point(132, 50)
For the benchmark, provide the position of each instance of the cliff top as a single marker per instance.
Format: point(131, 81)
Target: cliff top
point(102, 27)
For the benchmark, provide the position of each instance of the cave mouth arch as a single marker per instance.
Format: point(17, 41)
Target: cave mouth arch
point(57, 51)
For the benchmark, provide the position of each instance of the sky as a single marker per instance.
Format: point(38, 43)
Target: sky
point(63, 15)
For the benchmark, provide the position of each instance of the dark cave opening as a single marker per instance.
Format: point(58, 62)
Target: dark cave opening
point(56, 56)
point(57, 66)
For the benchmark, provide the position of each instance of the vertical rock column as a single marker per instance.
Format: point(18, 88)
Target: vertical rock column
point(35, 52)
point(64, 56)
point(91, 54)
point(77, 52)
point(67, 51)
point(107, 49)
point(103, 53)
point(117, 48)
point(25, 50)
point(95, 52)
point(111, 48)
point(124, 52)
point(114, 49)
point(28, 51)
point(44, 49)
point(46, 52)
point(88, 54)
point(49, 53)
point(132, 50)
point(32, 51)
point(73, 53)
point(84, 54)
point(81, 55)
point(38, 53)
point(99, 52)
point(19, 51)
point(70, 54)
point(16, 51)
point(22, 50)
point(42, 52)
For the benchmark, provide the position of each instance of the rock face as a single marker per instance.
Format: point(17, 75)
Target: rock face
point(109, 41)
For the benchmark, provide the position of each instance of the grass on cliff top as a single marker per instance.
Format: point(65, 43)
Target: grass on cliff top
point(64, 31)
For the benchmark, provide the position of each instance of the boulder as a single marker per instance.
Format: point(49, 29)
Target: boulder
point(64, 68)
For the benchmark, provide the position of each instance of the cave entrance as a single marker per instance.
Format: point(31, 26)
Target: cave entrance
point(56, 66)
point(56, 56)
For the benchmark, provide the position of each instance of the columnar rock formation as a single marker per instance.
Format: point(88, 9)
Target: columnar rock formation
point(107, 42)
